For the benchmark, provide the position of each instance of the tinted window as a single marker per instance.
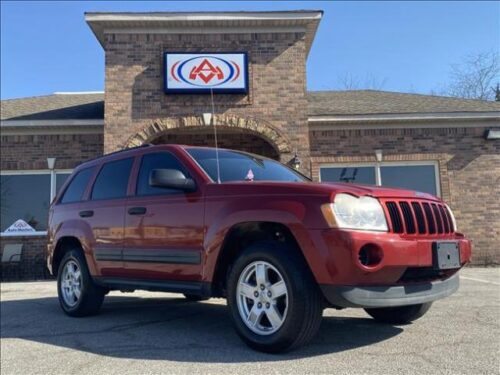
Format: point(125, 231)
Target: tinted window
point(61, 178)
point(358, 175)
point(76, 187)
point(414, 177)
point(112, 180)
point(24, 197)
point(161, 160)
point(240, 166)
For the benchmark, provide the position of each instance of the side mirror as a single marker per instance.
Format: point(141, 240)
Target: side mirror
point(171, 179)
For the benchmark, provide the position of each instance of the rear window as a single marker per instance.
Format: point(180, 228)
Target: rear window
point(112, 180)
point(76, 188)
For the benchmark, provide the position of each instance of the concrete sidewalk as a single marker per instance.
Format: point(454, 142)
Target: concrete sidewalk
point(153, 333)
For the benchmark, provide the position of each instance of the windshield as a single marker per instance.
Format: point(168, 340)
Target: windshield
point(240, 166)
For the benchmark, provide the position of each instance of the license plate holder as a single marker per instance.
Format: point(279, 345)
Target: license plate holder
point(445, 255)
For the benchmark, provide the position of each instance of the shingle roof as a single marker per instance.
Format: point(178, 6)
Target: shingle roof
point(81, 106)
point(90, 106)
point(368, 102)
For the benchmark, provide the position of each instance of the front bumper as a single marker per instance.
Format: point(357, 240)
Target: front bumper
point(334, 256)
point(389, 296)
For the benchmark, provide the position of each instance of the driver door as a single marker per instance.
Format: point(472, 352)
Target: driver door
point(163, 236)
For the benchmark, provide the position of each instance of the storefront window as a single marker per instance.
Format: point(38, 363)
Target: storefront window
point(358, 175)
point(419, 176)
point(61, 178)
point(414, 177)
point(26, 196)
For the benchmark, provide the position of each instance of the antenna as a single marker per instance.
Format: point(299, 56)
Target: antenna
point(215, 136)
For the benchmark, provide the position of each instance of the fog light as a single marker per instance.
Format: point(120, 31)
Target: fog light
point(370, 255)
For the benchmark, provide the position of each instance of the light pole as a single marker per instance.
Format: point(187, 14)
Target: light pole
point(51, 162)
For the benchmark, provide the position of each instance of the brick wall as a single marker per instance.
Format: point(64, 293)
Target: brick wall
point(30, 151)
point(32, 265)
point(225, 139)
point(134, 83)
point(23, 152)
point(469, 168)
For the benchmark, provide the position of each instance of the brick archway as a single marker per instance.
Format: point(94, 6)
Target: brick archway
point(159, 127)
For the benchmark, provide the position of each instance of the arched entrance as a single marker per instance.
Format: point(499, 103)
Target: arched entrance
point(226, 138)
point(234, 132)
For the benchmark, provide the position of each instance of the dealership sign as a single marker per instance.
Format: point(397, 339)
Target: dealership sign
point(20, 227)
point(206, 72)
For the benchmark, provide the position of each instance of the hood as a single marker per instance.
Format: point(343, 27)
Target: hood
point(311, 188)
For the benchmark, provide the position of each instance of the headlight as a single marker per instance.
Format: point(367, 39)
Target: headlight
point(453, 221)
point(349, 212)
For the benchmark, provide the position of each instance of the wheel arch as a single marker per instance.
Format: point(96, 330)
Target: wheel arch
point(64, 244)
point(240, 236)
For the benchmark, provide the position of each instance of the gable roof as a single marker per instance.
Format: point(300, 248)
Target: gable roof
point(90, 106)
point(370, 102)
point(58, 106)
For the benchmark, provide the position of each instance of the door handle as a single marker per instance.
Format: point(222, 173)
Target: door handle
point(137, 210)
point(86, 213)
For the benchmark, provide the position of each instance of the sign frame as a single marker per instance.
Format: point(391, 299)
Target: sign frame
point(189, 91)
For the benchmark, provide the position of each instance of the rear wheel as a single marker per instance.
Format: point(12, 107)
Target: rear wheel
point(78, 294)
point(400, 314)
point(274, 301)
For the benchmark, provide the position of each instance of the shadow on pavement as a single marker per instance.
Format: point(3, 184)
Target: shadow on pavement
point(168, 329)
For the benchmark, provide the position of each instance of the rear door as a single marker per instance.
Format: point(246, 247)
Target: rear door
point(105, 212)
point(163, 227)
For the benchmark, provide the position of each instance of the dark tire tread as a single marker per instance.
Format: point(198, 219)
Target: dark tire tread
point(92, 294)
point(308, 299)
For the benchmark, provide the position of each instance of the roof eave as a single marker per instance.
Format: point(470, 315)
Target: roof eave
point(404, 117)
point(205, 22)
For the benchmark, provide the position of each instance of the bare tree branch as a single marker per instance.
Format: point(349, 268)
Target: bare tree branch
point(349, 81)
point(476, 77)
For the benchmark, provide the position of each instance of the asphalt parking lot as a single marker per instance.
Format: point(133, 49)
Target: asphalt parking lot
point(153, 333)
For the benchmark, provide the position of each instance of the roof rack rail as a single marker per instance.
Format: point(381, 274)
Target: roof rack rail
point(119, 151)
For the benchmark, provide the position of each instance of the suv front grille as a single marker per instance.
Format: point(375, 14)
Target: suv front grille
point(418, 217)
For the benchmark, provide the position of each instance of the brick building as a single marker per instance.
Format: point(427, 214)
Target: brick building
point(445, 146)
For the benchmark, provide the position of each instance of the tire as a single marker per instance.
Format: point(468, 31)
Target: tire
point(195, 298)
point(297, 313)
point(400, 314)
point(91, 295)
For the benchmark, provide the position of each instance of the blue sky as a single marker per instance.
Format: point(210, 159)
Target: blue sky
point(407, 46)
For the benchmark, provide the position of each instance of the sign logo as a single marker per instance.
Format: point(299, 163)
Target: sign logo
point(20, 226)
point(201, 73)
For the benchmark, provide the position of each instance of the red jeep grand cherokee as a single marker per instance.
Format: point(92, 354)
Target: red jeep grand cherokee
point(229, 224)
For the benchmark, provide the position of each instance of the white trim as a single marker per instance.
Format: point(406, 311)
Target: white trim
point(202, 16)
point(378, 165)
point(27, 234)
point(20, 172)
point(51, 123)
point(490, 115)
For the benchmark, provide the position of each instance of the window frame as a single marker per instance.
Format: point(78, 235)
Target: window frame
point(135, 182)
point(53, 184)
point(378, 165)
point(87, 196)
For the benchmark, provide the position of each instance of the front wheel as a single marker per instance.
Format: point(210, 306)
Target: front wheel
point(77, 292)
point(273, 299)
point(400, 314)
